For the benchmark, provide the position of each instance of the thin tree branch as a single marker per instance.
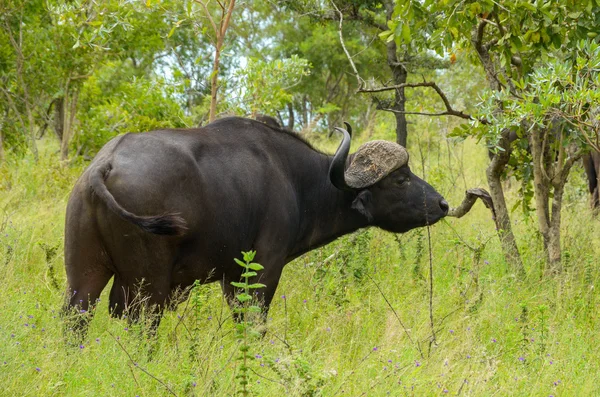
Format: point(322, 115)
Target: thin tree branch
point(212, 22)
point(449, 110)
point(359, 80)
point(396, 315)
point(141, 369)
point(471, 196)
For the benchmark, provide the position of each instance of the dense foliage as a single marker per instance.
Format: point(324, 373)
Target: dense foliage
point(501, 95)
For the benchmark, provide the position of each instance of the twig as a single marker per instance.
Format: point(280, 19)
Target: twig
point(396, 315)
point(359, 80)
point(450, 111)
point(471, 196)
point(141, 368)
point(433, 337)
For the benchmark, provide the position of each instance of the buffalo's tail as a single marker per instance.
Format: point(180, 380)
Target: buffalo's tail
point(165, 224)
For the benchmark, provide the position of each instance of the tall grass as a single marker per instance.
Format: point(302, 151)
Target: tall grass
point(349, 319)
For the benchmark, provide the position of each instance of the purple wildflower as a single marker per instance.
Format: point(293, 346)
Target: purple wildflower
point(417, 363)
point(38, 369)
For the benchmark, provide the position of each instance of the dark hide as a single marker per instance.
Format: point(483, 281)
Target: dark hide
point(591, 163)
point(268, 120)
point(162, 209)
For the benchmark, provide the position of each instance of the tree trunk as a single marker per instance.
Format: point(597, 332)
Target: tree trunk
point(214, 84)
point(503, 226)
point(554, 263)
point(219, 40)
point(290, 124)
point(59, 118)
point(400, 74)
point(498, 162)
point(304, 112)
point(31, 127)
point(70, 106)
point(549, 177)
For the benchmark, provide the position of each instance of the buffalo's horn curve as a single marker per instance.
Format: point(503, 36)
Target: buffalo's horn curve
point(348, 128)
point(338, 165)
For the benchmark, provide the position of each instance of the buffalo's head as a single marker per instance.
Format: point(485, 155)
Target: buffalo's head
point(386, 191)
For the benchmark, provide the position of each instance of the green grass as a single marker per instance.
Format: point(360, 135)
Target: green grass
point(333, 334)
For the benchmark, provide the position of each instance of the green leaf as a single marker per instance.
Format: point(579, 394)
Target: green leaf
point(255, 266)
point(238, 285)
point(239, 262)
point(385, 35)
point(406, 33)
point(243, 297)
point(249, 256)
point(249, 274)
point(256, 285)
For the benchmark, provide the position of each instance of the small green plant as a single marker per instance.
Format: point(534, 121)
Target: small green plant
point(246, 310)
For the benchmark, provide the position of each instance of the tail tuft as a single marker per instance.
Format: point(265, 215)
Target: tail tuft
point(166, 224)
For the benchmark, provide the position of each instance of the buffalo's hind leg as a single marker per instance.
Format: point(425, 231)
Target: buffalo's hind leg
point(139, 299)
point(88, 271)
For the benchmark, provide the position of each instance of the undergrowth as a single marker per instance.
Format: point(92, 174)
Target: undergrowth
point(351, 318)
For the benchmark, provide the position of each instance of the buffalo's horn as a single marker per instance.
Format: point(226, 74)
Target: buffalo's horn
point(373, 161)
point(348, 128)
point(338, 165)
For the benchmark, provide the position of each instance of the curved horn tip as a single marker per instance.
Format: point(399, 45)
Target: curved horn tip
point(348, 127)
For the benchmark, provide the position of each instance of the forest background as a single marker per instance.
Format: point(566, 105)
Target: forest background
point(483, 94)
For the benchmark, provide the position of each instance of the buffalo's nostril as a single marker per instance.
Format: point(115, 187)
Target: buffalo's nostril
point(444, 206)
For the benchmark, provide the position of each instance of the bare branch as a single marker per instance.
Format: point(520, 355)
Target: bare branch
point(225, 22)
point(359, 80)
point(449, 110)
point(471, 196)
point(212, 22)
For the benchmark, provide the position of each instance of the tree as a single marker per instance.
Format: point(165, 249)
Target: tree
point(510, 41)
point(219, 29)
point(371, 18)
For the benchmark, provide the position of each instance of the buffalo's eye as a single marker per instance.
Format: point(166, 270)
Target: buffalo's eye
point(402, 180)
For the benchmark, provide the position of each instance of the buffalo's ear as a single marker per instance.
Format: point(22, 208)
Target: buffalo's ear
point(362, 203)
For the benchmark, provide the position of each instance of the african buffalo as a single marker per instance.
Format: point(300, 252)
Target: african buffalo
point(165, 208)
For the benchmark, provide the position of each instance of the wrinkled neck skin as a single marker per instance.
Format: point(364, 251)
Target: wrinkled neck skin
point(326, 212)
